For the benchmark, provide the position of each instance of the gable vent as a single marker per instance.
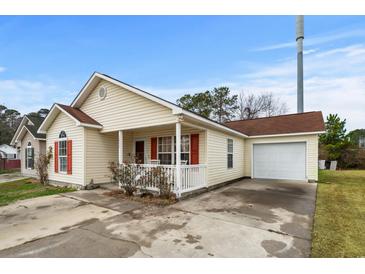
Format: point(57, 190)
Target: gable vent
point(102, 93)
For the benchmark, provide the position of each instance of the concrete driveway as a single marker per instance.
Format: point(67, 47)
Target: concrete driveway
point(251, 218)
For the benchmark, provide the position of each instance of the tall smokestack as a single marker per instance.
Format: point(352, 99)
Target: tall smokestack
point(299, 39)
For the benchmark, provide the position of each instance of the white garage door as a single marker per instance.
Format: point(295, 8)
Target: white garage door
point(279, 161)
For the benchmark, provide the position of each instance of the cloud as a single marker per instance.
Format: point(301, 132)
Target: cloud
point(317, 40)
point(334, 82)
point(27, 96)
point(2, 69)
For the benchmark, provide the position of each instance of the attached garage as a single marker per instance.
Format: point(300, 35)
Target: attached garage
point(279, 161)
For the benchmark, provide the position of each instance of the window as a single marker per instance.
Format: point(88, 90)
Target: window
point(165, 150)
point(29, 155)
point(62, 152)
point(62, 135)
point(229, 153)
point(361, 142)
point(185, 148)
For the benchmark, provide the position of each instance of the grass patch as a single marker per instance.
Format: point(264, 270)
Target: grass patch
point(8, 171)
point(25, 189)
point(339, 222)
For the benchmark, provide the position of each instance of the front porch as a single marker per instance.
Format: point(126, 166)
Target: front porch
point(157, 148)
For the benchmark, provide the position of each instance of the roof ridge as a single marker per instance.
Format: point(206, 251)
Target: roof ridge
point(284, 115)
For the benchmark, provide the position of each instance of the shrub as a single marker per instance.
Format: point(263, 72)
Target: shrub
point(353, 158)
point(125, 175)
point(132, 177)
point(158, 177)
point(41, 166)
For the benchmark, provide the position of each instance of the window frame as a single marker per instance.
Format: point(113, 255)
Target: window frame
point(362, 142)
point(29, 148)
point(230, 154)
point(173, 148)
point(159, 152)
point(62, 140)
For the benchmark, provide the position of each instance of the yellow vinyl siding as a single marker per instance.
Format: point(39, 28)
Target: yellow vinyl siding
point(312, 152)
point(39, 149)
point(100, 150)
point(217, 157)
point(76, 134)
point(122, 109)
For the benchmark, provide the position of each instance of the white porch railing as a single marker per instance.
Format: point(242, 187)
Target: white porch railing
point(192, 177)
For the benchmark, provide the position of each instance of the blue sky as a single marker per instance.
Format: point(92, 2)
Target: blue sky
point(48, 59)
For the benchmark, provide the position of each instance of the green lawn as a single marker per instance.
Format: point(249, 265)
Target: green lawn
point(339, 222)
point(25, 189)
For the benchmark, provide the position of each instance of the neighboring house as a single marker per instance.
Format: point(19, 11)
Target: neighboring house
point(8, 152)
point(357, 137)
point(29, 143)
point(110, 121)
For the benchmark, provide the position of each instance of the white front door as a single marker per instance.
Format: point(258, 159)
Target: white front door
point(279, 161)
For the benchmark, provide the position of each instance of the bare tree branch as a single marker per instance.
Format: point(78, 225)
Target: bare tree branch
point(252, 106)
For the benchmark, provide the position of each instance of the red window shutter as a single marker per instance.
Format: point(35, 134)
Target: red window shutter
point(194, 143)
point(69, 157)
point(154, 148)
point(56, 157)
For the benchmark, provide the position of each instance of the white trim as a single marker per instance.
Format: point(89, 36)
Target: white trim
point(286, 134)
point(175, 109)
point(230, 153)
point(211, 123)
point(17, 132)
point(120, 146)
point(144, 139)
point(66, 156)
point(26, 159)
point(281, 142)
point(137, 127)
point(124, 86)
point(35, 138)
point(77, 122)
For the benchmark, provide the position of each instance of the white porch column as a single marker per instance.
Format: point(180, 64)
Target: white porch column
point(120, 146)
point(178, 159)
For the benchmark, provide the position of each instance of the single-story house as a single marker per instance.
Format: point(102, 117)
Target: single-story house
point(111, 121)
point(29, 143)
point(8, 152)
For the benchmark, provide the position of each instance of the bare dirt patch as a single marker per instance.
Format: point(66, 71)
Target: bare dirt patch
point(146, 198)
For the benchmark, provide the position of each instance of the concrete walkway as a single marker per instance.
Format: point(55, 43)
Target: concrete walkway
point(10, 177)
point(250, 218)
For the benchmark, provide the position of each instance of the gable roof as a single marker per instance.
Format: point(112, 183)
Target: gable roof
point(33, 130)
point(23, 122)
point(96, 77)
point(79, 117)
point(298, 123)
point(32, 124)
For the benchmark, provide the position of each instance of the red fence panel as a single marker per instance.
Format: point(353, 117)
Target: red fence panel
point(12, 163)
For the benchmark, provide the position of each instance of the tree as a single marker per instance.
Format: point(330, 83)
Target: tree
point(9, 121)
point(199, 103)
point(43, 112)
point(224, 104)
point(335, 130)
point(12, 117)
point(334, 140)
point(251, 106)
